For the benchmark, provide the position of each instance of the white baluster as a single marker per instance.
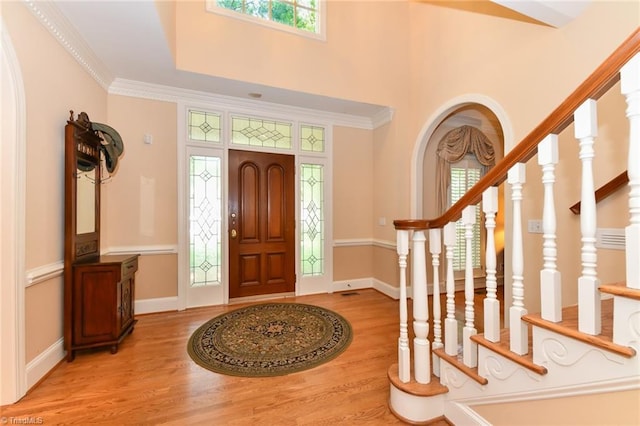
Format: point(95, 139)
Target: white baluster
point(518, 333)
point(469, 348)
point(435, 247)
point(550, 279)
point(589, 306)
point(421, 345)
point(630, 87)
point(450, 322)
point(491, 302)
point(404, 355)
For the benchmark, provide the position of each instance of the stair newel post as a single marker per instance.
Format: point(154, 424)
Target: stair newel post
point(435, 247)
point(550, 278)
point(518, 331)
point(589, 306)
point(404, 354)
point(450, 322)
point(491, 302)
point(630, 87)
point(421, 345)
point(469, 348)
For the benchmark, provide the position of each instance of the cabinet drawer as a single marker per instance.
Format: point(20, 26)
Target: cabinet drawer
point(129, 267)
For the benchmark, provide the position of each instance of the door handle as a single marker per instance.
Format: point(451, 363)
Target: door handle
point(234, 233)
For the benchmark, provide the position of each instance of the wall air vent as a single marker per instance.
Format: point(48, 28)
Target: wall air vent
point(610, 238)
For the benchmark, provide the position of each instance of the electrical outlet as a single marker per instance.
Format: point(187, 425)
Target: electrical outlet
point(534, 226)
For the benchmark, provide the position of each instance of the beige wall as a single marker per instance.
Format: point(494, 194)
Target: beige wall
point(352, 262)
point(614, 408)
point(141, 201)
point(525, 68)
point(412, 56)
point(363, 58)
point(611, 146)
point(352, 189)
point(54, 83)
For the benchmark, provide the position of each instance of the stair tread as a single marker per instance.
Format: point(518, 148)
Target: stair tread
point(503, 348)
point(472, 372)
point(620, 289)
point(412, 387)
point(569, 327)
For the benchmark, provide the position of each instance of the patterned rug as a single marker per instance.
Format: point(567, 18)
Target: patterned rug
point(269, 339)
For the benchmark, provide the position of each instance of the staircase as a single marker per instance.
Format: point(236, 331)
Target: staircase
point(590, 347)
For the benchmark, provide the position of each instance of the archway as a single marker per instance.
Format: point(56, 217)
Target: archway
point(12, 225)
point(452, 114)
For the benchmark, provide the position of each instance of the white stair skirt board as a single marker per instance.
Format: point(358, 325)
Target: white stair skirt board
point(416, 409)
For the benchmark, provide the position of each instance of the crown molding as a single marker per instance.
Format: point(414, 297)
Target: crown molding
point(140, 89)
point(383, 117)
point(53, 20)
point(61, 29)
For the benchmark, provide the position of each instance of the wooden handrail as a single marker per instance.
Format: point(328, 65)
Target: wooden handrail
point(605, 190)
point(597, 84)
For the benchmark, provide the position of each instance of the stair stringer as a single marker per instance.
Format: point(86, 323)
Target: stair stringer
point(573, 368)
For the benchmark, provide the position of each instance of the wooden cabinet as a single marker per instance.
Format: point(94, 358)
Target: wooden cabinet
point(98, 290)
point(103, 302)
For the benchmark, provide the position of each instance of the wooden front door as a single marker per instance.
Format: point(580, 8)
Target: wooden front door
point(261, 223)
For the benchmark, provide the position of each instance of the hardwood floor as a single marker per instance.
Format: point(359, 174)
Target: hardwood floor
point(152, 380)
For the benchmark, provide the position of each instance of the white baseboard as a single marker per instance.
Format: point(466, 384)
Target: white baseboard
point(389, 290)
point(161, 304)
point(354, 284)
point(44, 362)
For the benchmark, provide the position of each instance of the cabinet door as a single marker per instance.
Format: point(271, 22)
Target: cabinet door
point(95, 310)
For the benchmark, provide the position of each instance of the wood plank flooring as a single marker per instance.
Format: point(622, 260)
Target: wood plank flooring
point(152, 380)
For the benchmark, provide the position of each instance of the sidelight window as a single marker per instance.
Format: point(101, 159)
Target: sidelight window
point(312, 219)
point(205, 218)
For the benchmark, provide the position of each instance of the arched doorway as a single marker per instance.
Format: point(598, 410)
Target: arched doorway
point(12, 237)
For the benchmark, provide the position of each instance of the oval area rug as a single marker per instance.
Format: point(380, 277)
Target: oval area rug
point(269, 339)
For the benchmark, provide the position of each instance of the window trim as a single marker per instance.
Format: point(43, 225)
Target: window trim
point(212, 7)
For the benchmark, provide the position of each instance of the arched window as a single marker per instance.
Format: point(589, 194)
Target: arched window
point(464, 155)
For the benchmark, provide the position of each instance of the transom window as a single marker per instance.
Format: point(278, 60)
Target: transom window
point(303, 15)
point(205, 186)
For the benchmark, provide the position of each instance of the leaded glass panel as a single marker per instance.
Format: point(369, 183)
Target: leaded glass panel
point(312, 219)
point(258, 132)
point(311, 138)
point(205, 220)
point(204, 126)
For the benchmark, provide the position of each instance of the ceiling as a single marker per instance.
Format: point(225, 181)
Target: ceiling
point(126, 38)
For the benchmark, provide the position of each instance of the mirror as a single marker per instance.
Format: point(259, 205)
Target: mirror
point(82, 190)
point(85, 201)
